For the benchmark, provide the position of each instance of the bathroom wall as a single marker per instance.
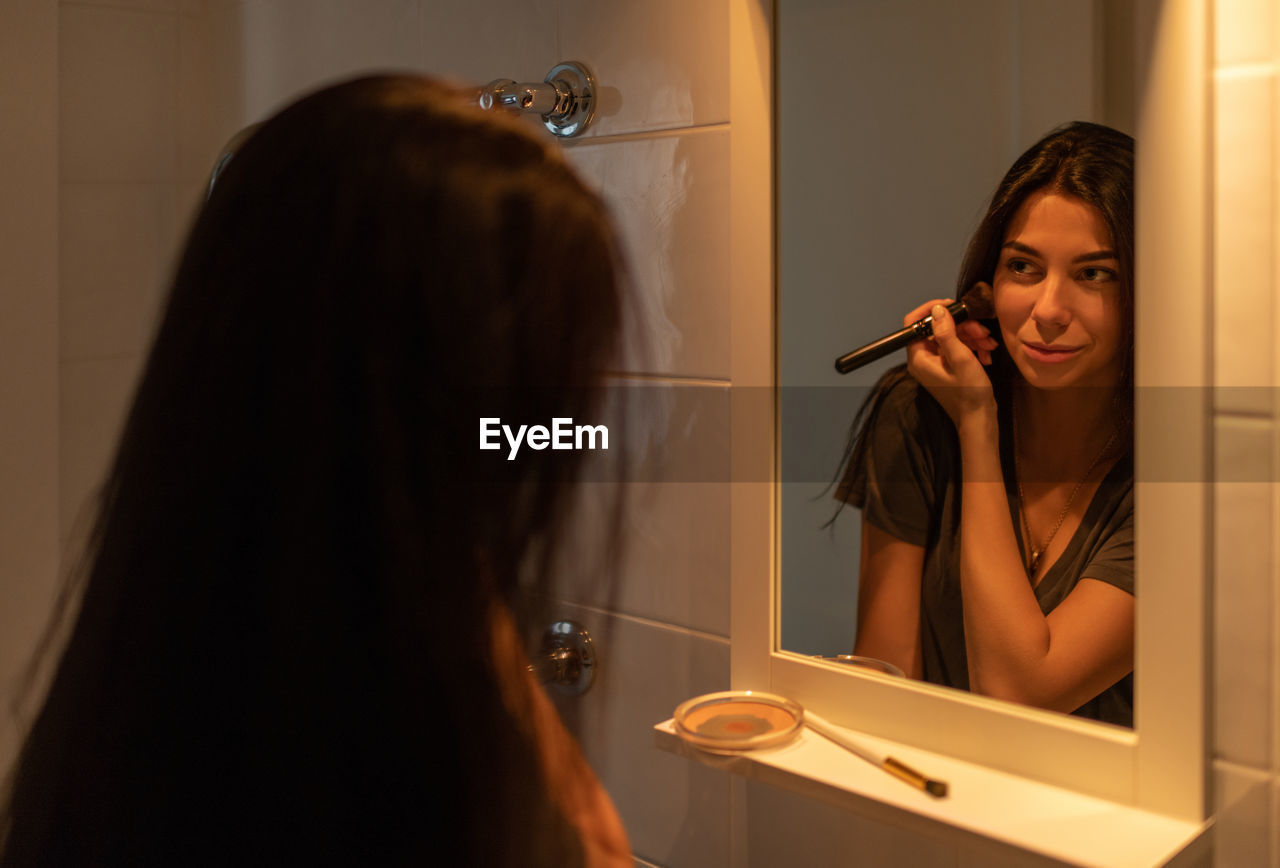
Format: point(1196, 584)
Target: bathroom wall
point(101, 160)
point(28, 335)
point(146, 92)
point(135, 152)
point(1246, 745)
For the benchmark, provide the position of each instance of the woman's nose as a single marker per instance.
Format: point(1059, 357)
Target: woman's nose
point(1051, 307)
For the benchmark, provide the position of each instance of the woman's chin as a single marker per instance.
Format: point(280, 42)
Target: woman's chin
point(1057, 375)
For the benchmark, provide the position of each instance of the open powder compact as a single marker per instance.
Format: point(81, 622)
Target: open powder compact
point(737, 720)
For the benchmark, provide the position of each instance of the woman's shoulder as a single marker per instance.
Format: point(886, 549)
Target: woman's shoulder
point(898, 396)
point(902, 448)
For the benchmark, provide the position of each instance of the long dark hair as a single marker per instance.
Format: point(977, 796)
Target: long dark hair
point(282, 650)
point(1088, 161)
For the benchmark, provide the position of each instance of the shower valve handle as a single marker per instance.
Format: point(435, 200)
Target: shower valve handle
point(566, 100)
point(567, 660)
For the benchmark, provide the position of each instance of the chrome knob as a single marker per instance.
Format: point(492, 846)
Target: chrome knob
point(567, 659)
point(566, 99)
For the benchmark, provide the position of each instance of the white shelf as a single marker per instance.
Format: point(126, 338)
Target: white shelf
point(1057, 825)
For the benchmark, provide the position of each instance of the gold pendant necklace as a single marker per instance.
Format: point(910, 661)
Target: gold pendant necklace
point(1034, 553)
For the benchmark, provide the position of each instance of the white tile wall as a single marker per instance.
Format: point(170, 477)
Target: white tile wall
point(29, 549)
point(94, 397)
point(131, 85)
point(672, 567)
point(669, 195)
point(1243, 589)
point(677, 572)
point(137, 5)
point(118, 242)
point(1246, 692)
point(117, 94)
point(1244, 32)
point(289, 47)
point(676, 812)
point(1244, 811)
point(197, 139)
point(784, 829)
point(479, 42)
point(1244, 312)
point(667, 60)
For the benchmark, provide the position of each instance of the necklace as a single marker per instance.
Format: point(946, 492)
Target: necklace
point(1034, 553)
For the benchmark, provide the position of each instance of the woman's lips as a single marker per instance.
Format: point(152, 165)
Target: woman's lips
point(1050, 354)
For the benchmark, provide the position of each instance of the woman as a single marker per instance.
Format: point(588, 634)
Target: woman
point(995, 475)
point(297, 639)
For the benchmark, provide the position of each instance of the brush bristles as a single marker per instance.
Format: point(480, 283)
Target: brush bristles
point(979, 302)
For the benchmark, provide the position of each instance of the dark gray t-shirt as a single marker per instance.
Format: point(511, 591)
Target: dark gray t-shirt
point(908, 485)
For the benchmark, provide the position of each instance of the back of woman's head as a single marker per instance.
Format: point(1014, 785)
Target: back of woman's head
point(282, 649)
point(1086, 161)
point(385, 254)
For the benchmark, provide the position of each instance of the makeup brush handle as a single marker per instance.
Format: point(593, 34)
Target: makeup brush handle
point(918, 330)
point(824, 728)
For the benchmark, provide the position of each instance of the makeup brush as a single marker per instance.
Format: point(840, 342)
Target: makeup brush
point(897, 768)
point(974, 304)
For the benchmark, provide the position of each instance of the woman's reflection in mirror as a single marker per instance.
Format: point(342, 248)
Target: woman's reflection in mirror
point(299, 636)
point(994, 470)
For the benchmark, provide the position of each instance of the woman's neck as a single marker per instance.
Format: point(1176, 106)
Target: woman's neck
point(1063, 428)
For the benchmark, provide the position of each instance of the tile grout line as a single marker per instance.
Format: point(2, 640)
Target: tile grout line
point(1244, 769)
point(673, 379)
point(648, 622)
point(647, 135)
point(1259, 418)
point(105, 357)
point(1257, 69)
point(124, 7)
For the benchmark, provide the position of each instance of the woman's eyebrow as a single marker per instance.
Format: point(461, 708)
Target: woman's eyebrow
point(1094, 256)
point(1022, 248)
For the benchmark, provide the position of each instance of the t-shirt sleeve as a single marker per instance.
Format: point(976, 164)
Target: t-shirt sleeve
point(1112, 562)
point(891, 481)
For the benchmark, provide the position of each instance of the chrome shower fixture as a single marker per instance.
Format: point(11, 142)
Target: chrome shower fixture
point(567, 660)
point(566, 99)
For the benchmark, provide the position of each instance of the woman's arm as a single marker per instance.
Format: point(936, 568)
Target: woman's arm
point(889, 600)
point(1015, 652)
point(891, 569)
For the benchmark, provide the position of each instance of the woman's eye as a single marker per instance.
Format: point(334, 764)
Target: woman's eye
point(1020, 266)
point(1094, 274)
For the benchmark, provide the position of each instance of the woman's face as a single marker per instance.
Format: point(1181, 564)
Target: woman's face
point(1057, 294)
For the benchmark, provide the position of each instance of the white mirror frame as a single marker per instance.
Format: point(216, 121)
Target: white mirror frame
point(1161, 765)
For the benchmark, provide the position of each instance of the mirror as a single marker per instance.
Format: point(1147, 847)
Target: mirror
point(895, 122)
